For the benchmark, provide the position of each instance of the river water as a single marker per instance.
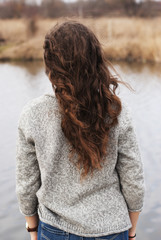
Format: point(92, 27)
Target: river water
point(20, 82)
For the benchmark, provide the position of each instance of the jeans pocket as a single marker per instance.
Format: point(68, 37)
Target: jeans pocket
point(49, 232)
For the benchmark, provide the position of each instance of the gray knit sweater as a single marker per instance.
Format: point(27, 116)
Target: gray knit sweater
point(48, 183)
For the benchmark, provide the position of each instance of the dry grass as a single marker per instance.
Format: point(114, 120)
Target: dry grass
point(130, 39)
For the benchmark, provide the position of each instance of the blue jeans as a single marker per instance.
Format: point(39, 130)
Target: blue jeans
point(48, 232)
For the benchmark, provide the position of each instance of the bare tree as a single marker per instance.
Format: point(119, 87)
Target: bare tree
point(131, 7)
point(53, 8)
point(81, 8)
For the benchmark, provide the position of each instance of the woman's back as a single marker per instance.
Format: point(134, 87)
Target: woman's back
point(47, 180)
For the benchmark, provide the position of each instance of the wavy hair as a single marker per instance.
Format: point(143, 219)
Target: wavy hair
point(85, 89)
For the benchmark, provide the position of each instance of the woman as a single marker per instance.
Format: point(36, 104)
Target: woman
point(78, 167)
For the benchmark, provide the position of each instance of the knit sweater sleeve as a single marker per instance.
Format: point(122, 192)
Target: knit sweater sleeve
point(27, 168)
point(129, 164)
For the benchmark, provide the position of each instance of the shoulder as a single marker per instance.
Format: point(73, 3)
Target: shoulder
point(126, 110)
point(125, 116)
point(37, 107)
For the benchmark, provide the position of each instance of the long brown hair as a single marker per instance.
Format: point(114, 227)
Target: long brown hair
point(85, 89)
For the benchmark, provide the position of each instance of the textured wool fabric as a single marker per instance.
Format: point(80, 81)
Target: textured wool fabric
point(48, 183)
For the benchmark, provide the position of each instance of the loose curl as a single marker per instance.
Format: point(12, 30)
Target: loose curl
point(85, 89)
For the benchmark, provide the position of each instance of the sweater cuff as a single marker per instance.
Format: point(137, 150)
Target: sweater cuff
point(135, 210)
point(28, 215)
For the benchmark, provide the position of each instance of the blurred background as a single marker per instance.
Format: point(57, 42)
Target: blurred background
point(130, 34)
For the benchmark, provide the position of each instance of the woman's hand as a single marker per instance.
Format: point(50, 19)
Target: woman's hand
point(33, 221)
point(133, 234)
point(134, 218)
point(33, 235)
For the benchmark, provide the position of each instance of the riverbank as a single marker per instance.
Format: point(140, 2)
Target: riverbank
point(128, 39)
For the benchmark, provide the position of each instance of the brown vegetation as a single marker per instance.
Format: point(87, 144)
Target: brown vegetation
point(130, 39)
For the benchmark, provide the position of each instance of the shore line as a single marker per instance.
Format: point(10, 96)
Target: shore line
point(122, 39)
